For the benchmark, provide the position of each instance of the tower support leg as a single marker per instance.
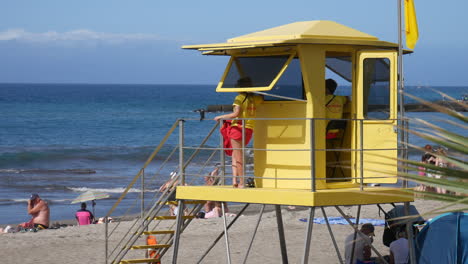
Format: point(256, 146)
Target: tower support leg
point(226, 235)
point(179, 220)
point(356, 227)
point(254, 233)
point(279, 219)
point(332, 236)
point(409, 232)
point(310, 224)
point(222, 233)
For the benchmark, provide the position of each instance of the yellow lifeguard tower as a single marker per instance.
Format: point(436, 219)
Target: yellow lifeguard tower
point(288, 65)
point(293, 161)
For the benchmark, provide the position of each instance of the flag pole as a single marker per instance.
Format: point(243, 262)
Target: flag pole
point(403, 124)
point(403, 133)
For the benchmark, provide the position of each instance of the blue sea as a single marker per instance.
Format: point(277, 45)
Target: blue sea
point(60, 140)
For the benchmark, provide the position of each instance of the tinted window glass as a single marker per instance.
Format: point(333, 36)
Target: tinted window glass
point(376, 88)
point(341, 66)
point(289, 84)
point(253, 71)
point(340, 69)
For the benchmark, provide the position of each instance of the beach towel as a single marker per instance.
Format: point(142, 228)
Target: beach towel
point(342, 221)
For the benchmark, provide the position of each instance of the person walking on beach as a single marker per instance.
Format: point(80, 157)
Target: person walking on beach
point(362, 249)
point(83, 216)
point(245, 107)
point(39, 210)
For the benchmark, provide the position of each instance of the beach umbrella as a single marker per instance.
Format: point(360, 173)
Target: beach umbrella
point(90, 196)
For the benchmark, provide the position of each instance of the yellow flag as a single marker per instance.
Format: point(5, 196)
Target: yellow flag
point(411, 24)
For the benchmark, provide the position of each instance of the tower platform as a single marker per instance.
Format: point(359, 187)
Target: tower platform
point(326, 197)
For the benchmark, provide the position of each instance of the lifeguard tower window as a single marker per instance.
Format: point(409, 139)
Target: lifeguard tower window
point(254, 73)
point(290, 84)
point(340, 69)
point(376, 82)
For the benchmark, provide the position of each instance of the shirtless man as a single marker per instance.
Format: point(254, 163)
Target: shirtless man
point(39, 210)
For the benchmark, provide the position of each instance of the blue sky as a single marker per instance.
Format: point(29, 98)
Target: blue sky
point(125, 41)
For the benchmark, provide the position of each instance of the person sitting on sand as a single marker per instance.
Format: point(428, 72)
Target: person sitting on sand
point(362, 249)
point(83, 216)
point(39, 210)
point(399, 249)
point(170, 186)
point(215, 211)
point(212, 208)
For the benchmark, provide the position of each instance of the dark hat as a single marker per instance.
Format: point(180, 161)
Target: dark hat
point(34, 196)
point(331, 85)
point(369, 227)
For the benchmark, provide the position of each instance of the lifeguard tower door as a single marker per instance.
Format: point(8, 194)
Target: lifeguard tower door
point(376, 135)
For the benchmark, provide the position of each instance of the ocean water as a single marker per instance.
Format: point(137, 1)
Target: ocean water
point(62, 139)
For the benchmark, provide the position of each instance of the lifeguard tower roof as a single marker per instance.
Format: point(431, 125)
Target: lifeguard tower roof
point(305, 32)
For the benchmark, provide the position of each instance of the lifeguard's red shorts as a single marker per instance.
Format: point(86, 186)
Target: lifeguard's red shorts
point(236, 133)
point(233, 132)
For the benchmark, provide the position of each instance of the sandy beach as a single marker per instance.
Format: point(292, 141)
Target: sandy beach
point(78, 244)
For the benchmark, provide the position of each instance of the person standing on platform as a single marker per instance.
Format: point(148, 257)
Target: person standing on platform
point(334, 105)
point(245, 107)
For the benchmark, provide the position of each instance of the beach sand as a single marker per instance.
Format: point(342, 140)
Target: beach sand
point(85, 244)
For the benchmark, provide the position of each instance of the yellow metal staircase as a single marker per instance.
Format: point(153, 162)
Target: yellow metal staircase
point(154, 220)
point(149, 226)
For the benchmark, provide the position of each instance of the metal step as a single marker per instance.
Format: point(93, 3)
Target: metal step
point(157, 246)
point(172, 217)
point(149, 260)
point(160, 232)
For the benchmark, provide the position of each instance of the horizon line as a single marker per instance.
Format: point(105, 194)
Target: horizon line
point(99, 83)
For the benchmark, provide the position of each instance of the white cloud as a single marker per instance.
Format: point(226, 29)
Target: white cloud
point(73, 36)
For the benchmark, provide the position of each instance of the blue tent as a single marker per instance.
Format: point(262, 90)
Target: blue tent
point(444, 239)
